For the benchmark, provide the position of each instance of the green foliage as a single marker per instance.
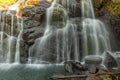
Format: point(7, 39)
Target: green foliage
point(113, 7)
point(114, 78)
point(108, 79)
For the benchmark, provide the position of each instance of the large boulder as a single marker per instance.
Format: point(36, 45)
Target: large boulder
point(117, 56)
point(93, 60)
point(97, 3)
point(74, 67)
point(109, 60)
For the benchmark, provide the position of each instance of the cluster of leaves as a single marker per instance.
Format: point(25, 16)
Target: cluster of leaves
point(108, 79)
point(113, 7)
point(114, 78)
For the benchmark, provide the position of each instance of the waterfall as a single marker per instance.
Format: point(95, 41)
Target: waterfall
point(59, 42)
point(95, 36)
point(19, 38)
point(11, 29)
point(87, 9)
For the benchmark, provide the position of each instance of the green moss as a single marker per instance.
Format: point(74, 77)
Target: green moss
point(113, 7)
point(108, 79)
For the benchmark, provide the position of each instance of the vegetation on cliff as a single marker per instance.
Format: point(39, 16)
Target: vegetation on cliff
point(113, 7)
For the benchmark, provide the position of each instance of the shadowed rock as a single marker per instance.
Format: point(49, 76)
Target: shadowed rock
point(109, 60)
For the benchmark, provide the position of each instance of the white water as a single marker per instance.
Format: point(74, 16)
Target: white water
point(59, 42)
point(87, 9)
point(10, 35)
point(19, 38)
point(95, 37)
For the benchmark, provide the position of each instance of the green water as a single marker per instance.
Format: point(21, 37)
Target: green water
point(29, 72)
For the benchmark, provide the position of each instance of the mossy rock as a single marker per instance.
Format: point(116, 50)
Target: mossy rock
point(113, 7)
point(58, 17)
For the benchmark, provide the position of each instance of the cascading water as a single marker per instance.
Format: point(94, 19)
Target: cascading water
point(59, 39)
point(59, 42)
point(19, 38)
point(95, 37)
point(10, 35)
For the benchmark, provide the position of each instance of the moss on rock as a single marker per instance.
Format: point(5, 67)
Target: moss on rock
point(113, 7)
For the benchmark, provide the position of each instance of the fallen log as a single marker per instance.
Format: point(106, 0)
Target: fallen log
point(84, 76)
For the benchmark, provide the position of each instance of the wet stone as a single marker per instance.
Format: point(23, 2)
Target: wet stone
point(93, 69)
point(93, 60)
point(109, 61)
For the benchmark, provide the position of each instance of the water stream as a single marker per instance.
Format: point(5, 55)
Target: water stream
point(95, 36)
point(11, 29)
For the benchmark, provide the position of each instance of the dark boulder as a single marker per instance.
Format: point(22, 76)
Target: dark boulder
point(109, 60)
point(93, 69)
point(74, 67)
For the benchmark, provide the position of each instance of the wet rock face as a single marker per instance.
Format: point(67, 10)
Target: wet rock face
point(115, 22)
point(97, 3)
point(117, 56)
point(109, 61)
point(72, 6)
point(34, 17)
point(34, 26)
point(34, 20)
point(6, 20)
